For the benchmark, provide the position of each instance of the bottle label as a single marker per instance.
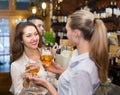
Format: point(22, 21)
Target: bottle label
point(109, 10)
point(115, 11)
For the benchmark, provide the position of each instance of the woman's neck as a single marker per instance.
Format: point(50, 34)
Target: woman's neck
point(83, 47)
point(32, 54)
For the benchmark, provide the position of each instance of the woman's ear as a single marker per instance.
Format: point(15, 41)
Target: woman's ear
point(76, 33)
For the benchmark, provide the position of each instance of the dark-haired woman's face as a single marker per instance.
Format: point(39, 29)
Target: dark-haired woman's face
point(30, 37)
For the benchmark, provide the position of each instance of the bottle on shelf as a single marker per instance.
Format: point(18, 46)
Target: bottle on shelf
point(64, 33)
point(86, 7)
point(59, 35)
point(58, 51)
point(114, 8)
point(54, 19)
point(109, 9)
point(58, 6)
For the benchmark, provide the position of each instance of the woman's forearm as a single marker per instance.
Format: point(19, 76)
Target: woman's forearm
point(60, 72)
point(51, 89)
point(59, 69)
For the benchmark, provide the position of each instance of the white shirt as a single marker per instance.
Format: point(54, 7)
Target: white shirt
point(80, 78)
point(17, 73)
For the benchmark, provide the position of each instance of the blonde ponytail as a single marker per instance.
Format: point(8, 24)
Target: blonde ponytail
point(99, 49)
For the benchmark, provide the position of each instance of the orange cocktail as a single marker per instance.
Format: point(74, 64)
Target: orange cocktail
point(33, 67)
point(46, 56)
point(36, 70)
point(46, 59)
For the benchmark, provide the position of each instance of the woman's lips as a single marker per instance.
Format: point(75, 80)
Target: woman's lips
point(34, 43)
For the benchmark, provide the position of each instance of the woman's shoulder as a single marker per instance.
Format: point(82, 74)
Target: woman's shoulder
point(18, 61)
point(86, 65)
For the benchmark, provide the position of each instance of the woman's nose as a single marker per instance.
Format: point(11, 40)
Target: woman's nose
point(34, 37)
point(42, 28)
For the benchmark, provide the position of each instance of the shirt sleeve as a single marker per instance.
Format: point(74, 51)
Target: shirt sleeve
point(80, 84)
point(17, 79)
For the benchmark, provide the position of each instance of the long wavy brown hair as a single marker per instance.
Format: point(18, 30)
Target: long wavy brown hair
point(18, 47)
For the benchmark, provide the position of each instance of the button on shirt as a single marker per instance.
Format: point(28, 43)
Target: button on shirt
point(81, 76)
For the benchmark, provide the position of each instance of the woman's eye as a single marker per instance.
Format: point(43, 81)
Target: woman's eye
point(36, 33)
point(28, 35)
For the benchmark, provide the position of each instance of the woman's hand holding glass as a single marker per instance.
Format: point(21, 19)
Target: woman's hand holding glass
point(46, 57)
point(55, 68)
point(45, 84)
point(30, 70)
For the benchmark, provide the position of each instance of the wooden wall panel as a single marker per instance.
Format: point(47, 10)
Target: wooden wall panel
point(5, 83)
point(69, 6)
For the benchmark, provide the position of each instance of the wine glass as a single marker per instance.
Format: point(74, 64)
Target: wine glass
point(34, 68)
point(46, 56)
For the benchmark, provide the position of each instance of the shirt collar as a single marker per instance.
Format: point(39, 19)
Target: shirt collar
point(26, 58)
point(76, 58)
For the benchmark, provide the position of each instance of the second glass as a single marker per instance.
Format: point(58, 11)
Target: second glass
point(46, 56)
point(34, 68)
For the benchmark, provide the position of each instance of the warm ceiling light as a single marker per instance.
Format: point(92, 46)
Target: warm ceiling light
point(60, 0)
point(34, 10)
point(44, 5)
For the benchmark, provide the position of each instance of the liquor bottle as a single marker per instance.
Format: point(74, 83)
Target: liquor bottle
point(115, 9)
point(109, 9)
point(58, 51)
point(57, 35)
point(86, 7)
point(58, 6)
point(103, 12)
point(64, 33)
point(111, 62)
point(115, 61)
point(54, 19)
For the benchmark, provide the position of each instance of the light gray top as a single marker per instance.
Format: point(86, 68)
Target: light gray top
point(80, 78)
